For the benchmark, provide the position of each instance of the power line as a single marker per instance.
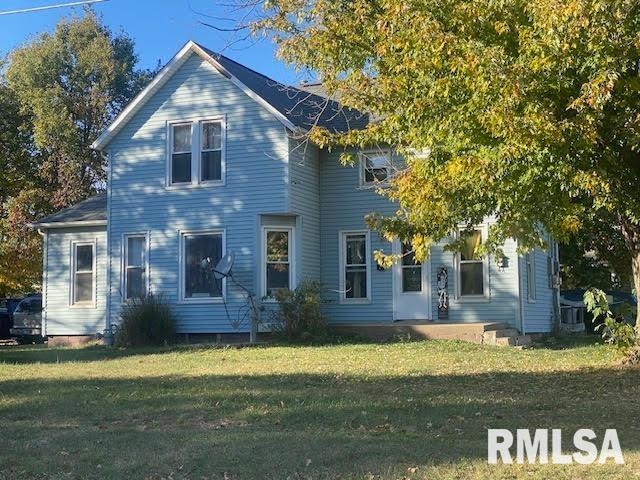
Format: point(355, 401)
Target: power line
point(49, 7)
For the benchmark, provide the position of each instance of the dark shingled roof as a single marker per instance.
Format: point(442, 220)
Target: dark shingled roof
point(302, 108)
point(92, 209)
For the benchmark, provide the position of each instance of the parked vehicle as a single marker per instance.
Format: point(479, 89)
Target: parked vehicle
point(27, 317)
point(5, 320)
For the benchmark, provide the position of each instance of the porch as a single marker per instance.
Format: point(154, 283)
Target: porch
point(487, 333)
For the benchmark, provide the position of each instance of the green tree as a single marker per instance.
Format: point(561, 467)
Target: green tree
point(67, 86)
point(522, 109)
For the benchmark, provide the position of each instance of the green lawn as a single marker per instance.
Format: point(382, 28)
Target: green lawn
point(390, 411)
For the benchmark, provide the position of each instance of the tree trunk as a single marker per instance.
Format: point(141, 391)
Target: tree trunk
point(631, 232)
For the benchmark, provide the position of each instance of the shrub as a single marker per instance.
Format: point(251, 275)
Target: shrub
point(298, 316)
point(145, 321)
point(614, 328)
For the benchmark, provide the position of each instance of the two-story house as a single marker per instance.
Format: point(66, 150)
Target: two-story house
point(207, 160)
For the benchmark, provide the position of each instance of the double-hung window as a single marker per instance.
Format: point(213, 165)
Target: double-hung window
point(200, 254)
point(471, 269)
point(354, 266)
point(83, 268)
point(136, 260)
point(277, 254)
point(530, 261)
point(375, 167)
point(196, 152)
point(181, 153)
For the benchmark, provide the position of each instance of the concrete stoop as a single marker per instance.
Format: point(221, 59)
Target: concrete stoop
point(490, 333)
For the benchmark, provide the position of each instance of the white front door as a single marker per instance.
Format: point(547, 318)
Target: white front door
point(411, 286)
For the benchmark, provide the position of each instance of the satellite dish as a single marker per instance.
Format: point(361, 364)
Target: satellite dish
point(224, 266)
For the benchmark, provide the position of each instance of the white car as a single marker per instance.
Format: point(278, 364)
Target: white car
point(27, 317)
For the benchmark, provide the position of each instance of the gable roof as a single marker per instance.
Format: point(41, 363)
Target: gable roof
point(295, 108)
point(89, 212)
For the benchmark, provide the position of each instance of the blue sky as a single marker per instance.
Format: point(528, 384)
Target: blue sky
point(158, 27)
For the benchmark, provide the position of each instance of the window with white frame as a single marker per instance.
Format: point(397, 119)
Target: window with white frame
point(375, 167)
point(83, 274)
point(211, 151)
point(471, 269)
point(200, 253)
point(181, 153)
point(197, 152)
point(530, 262)
point(277, 254)
point(135, 271)
point(354, 266)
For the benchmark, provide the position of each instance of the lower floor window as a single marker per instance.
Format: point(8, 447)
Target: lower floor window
point(135, 266)
point(201, 254)
point(83, 270)
point(355, 264)
point(277, 255)
point(471, 268)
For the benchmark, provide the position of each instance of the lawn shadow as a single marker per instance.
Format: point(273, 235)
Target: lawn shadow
point(293, 425)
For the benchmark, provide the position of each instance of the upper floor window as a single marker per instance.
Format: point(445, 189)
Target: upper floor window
point(196, 152)
point(83, 270)
point(375, 167)
point(181, 153)
point(471, 269)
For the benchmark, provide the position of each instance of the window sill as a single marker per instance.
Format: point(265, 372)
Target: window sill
point(372, 186)
point(83, 306)
point(473, 299)
point(200, 301)
point(187, 186)
point(358, 301)
point(531, 300)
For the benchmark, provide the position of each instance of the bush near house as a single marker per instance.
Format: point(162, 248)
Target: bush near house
point(299, 317)
point(146, 321)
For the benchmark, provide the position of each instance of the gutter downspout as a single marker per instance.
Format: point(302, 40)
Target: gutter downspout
point(108, 334)
point(45, 278)
point(520, 302)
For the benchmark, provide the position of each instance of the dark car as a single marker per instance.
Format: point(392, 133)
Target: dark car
point(27, 317)
point(5, 320)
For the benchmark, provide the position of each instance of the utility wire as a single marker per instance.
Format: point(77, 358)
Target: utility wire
point(49, 7)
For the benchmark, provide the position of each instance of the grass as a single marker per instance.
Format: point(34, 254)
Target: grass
point(412, 410)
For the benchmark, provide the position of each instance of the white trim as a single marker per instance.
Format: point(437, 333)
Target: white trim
point(291, 253)
point(80, 223)
point(530, 263)
point(45, 282)
point(167, 71)
point(94, 274)
point(485, 297)
point(196, 152)
point(342, 236)
point(427, 283)
point(124, 258)
point(362, 159)
point(181, 276)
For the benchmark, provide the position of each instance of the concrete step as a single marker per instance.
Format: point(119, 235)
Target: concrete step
point(490, 327)
point(503, 332)
point(505, 341)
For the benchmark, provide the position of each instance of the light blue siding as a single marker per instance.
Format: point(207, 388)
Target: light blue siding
point(59, 316)
point(304, 164)
point(538, 313)
point(502, 302)
point(343, 205)
point(256, 183)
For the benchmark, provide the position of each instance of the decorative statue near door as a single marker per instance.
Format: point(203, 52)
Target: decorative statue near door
point(443, 299)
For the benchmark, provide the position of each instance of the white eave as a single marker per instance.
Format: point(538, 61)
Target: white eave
point(81, 223)
point(165, 74)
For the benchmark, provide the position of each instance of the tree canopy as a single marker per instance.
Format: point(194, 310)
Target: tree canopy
point(57, 93)
point(525, 110)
